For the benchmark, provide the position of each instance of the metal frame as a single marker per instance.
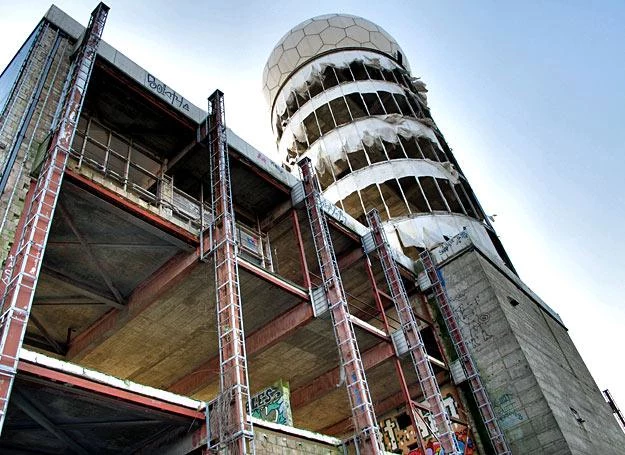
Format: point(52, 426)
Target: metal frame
point(431, 392)
point(25, 267)
point(233, 408)
point(466, 360)
point(365, 422)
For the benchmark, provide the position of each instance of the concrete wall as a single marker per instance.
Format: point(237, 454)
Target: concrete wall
point(273, 442)
point(530, 367)
point(12, 199)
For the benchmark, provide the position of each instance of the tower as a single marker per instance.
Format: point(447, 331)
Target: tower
point(340, 92)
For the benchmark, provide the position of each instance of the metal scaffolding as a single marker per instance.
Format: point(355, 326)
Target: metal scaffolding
point(410, 329)
point(365, 423)
point(468, 365)
point(236, 434)
point(22, 269)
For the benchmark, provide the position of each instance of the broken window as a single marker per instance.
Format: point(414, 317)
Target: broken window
point(473, 200)
point(341, 169)
point(372, 199)
point(329, 77)
point(373, 103)
point(374, 73)
point(414, 195)
point(311, 127)
point(356, 105)
point(432, 194)
point(426, 147)
point(340, 111)
point(324, 116)
point(358, 70)
point(394, 150)
point(344, 74)
point(315, 87)
point(376, 153)
point(301, 98)
point(393, 198)
point(325, 178)
point(358, 160)
point(410, 147)
point(352, 205)
point(465, 200)
point(416, 107)
point(388, 75)
point(403, 105)
point(389, 102)
point(450, 196)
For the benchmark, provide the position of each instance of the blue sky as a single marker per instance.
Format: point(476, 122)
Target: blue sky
point(528, 94)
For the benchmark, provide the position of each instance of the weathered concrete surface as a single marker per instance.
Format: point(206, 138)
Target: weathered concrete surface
point(12, 199)
point(531, 369)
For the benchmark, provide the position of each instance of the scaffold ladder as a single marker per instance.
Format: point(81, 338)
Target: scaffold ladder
point(232, 414)
point(22, 270)
point(410, 328)
point(484, 405)
point(365, 423)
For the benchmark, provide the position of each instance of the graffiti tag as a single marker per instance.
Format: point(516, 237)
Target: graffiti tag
point(159, 87)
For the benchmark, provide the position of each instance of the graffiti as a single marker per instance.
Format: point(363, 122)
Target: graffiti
point(162, 89)
point(6, 275)
point(456, 240)
point(475, 322)
point(507, 409)
point(332, 210)
point(273, 404)
point(400, 436)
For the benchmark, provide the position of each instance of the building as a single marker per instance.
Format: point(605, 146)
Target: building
point(163, 279)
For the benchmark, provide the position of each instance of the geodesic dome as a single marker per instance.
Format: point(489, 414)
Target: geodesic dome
point(321, 34)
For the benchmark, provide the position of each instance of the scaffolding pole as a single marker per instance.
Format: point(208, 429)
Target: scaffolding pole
point(233, 406)
point(22, 270)
point(497, 439)
point(365, 423)
point(425, 373)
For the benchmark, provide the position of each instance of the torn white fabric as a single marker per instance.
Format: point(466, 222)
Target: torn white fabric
point(385, 171)
point(299, 81)
point(335, 145)
point(341, 90)
point(430, 229)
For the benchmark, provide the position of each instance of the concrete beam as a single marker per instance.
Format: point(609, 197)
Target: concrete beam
point(330, 380)
point(144, 295)
point(258, 341)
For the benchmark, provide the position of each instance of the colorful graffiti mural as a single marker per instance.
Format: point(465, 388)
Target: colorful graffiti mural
point(400, 436)
point(273, 404)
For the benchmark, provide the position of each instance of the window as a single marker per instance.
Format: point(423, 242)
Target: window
point(432, 194)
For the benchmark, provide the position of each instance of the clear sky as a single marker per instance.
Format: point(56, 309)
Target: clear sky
point(530, 96)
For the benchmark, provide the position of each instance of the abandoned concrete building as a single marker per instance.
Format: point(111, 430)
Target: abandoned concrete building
point(169, 289)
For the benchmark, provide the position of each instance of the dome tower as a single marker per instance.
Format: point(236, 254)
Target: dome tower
point(340, 92)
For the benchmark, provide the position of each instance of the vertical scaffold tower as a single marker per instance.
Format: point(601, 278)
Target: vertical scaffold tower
point(410, 329)
point(22, 269)
point(500, 445)
point(236, 435)
point(365, 423)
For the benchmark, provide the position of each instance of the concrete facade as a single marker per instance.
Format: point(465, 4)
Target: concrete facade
point(45, 55)
point(546, 400)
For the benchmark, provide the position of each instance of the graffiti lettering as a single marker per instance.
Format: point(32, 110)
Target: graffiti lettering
point(6, 275)
point(159, 87)
point(400, 437)
point(333, 210)
point(273, 404)
point(476, 322)
point(507, 409)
